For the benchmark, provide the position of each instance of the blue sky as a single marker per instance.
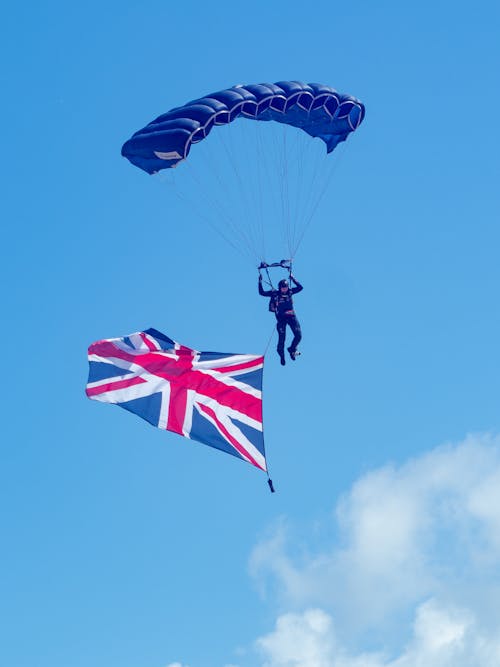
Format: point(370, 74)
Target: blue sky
point(123, 545)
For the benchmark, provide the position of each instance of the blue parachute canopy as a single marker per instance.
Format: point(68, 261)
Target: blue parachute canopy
point(317, 109)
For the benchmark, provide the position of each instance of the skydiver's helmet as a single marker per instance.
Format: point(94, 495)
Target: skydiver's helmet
point(283, 283)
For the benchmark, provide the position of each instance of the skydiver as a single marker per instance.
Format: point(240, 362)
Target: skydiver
point(281, 303)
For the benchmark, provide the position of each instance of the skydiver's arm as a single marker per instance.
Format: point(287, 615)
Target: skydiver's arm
point(262, 291)
point(298, 287)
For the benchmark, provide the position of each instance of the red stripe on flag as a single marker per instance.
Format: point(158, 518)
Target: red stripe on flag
point(238, 367)
point(148, 342)
point(239, 448)
point(182, 376)
point(113, 386)
point(177, 409)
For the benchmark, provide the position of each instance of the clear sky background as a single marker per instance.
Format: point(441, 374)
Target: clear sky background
point(125, 546)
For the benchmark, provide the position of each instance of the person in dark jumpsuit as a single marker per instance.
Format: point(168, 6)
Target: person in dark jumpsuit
point(281, 303)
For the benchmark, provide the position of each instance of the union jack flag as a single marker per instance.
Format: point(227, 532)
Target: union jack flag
point(212, 397)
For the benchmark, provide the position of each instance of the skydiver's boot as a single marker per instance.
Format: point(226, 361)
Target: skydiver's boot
point(293, 353)
point(282, 357)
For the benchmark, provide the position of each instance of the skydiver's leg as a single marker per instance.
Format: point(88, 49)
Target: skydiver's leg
point(281, 328)
point(297, 335)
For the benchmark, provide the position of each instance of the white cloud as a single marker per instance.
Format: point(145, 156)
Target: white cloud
point(441, 638)
point(411, 578)
point(428, 529)
point(304, 640)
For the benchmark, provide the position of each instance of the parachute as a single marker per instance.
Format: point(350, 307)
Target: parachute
point(251, 181)
point(318, 110)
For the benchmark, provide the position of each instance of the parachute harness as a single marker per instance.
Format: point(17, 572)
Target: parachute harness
point(284, 264)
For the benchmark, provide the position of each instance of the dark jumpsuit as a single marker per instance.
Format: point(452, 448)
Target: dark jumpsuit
point(285, 314)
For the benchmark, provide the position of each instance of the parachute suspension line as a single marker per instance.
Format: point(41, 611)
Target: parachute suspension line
point(289, 169)
point(299, 162)
point(270, 159)
point(190, 204)
point(246, 207)
point(310, 152)
point(270, 282)
point(261, 189)
point(320, 177)
point(226, 140)
point(211, 202)
point(234, 192)
point(276, 181)
point(247, 182)
point(195, 168)
point(304, 185)
point(285, 199)
point(285, 191)
point(262, 171)
point(315, 204)
point(259, 155)
point(309, 187)
point(266, 349)
point(252, 186)
point(212, 167)
point(259, 212)
point(297, 185)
